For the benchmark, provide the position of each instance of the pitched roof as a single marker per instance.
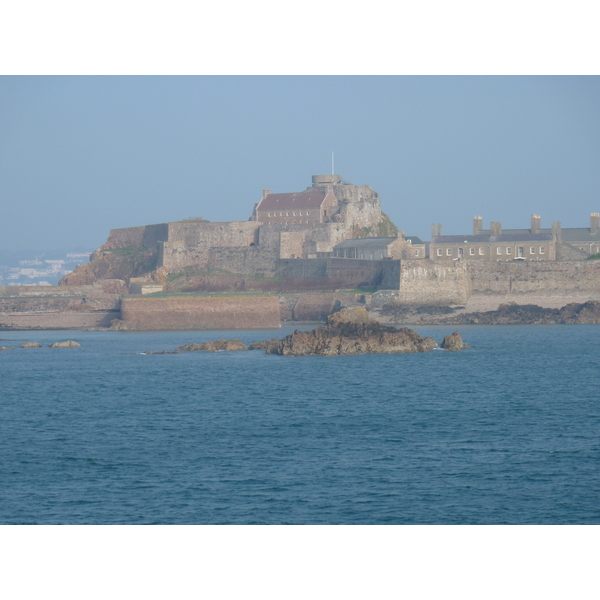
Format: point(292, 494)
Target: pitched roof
point(308, 199)
point(486, 238)
point(413, 239)
point(568, 234)
point(369, 242)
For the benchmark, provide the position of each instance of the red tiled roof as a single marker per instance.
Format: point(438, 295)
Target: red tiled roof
point(307, 199)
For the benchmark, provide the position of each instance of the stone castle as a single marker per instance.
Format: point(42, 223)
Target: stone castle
point(283, 226)
point(333, 236)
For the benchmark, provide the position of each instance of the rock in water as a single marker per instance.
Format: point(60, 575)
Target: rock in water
point(65, 344)
point(264, 345)
point(453, 342)
point(352, 338)
point(31, 345)
point(216, 346)
point(348, 315)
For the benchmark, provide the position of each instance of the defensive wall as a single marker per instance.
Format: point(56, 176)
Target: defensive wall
point(200, 313)
point(427, 283)
point(60, 307)
point(341, 272)
point(145, 235)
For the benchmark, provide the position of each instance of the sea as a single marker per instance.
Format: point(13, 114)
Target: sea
point(505, 432)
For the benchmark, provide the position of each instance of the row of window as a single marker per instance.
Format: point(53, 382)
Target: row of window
point(499, 251)
point(287, 214)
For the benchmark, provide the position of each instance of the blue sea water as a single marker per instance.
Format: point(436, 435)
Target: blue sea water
point(506, 432)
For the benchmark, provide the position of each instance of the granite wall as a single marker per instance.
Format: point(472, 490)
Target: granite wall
point(200, 313)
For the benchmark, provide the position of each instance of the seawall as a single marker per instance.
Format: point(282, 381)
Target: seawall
point(200, 313)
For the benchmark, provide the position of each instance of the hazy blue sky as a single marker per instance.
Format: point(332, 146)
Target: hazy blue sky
point(82, 155)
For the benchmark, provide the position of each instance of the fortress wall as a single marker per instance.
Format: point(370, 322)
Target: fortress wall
point(175, 256)
point(427, 283)
point(254, 260)
point(146, 235)
point(24, 304)
point(315, 307)
point(302, 268)
point(350, 272)
point(576, 278)
point(390, 275)
point(292, 244)
point(58, 320)
point(200, 313)
point(211, 235)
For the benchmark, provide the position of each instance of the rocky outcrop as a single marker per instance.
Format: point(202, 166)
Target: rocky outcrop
point(115, 263)
point(453, 342)
point(506, 314)
point(264, 345)
point(31, 345)
point(350, 332)
point(65, 344)
point(216, 346)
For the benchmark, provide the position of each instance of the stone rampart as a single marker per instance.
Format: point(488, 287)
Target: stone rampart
point(427, 283)
point(145, 235)
point(577, 278)
point(315, 307)
point(254, 260)
point(200, 313)
point(58, 320)
point(214, 235)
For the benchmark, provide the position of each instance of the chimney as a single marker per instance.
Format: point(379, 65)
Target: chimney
point(439, 230)
point(265, 193)
point(477, 225)
point(433, 231)
point(536, 223)
point(556, 233)
point(594, 222)
point(495, 228)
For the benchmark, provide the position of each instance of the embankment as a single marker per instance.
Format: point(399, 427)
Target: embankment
point(199, 313)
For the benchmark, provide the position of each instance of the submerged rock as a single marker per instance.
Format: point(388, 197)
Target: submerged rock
point(216, 346)
point(6, 348)
point(31, 345)
point(65, 344)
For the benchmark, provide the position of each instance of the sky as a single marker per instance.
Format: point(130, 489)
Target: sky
point(80, 155)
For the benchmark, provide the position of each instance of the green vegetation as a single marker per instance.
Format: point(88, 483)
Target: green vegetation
point(385, 228)
point(594, 256)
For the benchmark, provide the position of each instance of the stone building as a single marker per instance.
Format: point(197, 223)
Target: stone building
point(283, 226)
point(533, 244)
point(379, 248)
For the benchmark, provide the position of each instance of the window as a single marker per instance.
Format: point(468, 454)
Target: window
point(509, 251)
point(472, 251)
point(416, 253)
point(542, 250)
point(532, 250)
point(440, 251)
point(449, 251)
point(498, 250)
point(480, 251)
